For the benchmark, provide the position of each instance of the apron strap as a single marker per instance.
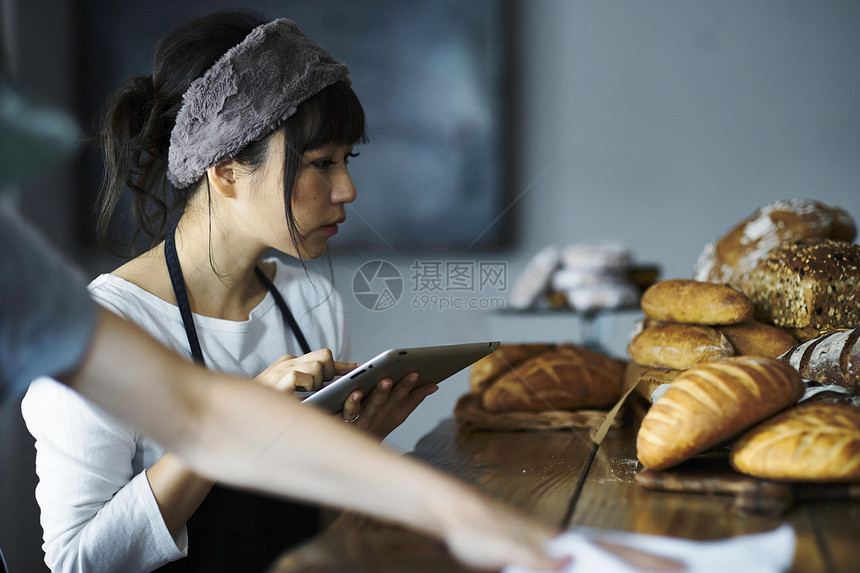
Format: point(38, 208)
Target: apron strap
point(285, 310)
point(179, 290)
point(175, 271)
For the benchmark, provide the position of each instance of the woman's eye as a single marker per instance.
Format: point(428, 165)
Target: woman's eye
point(350, 155)
point(322, 164)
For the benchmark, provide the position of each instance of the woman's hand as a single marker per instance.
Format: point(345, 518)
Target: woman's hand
point(491, 535)
point(303, 373)
point(387, 406)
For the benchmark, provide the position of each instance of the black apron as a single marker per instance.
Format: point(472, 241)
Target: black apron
point(233, 530)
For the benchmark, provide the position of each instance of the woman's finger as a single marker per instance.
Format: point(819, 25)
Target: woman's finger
point(295, 381)
point(378, 396)
point(406, 384)
point(352, 407)
point(341, 368)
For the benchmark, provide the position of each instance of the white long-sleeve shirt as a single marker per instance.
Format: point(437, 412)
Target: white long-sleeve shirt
point(98, 512)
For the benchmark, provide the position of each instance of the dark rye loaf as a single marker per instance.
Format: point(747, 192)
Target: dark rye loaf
point(830, 359)
point(810, 283)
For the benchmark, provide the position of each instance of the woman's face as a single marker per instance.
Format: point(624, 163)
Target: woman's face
point(321, 189)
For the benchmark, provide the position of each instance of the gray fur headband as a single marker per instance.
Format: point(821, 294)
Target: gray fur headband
point(248, 92)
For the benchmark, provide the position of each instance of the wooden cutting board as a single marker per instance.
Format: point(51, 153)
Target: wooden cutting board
point(712, 473)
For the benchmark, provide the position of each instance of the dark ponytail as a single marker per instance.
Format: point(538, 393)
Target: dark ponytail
point(135, 135)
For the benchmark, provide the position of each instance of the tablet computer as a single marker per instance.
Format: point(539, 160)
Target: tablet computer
point(433, 364)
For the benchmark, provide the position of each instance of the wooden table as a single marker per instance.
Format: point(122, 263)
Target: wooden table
point(550, 474)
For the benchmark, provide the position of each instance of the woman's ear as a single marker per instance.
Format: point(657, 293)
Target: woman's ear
point(222, 178)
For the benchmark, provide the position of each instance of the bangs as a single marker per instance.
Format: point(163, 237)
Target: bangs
point(334, 115)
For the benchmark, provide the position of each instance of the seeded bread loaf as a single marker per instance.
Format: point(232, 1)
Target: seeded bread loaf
point(711, 403)
point(829, 359)
point(817, 441)
point(566, 377)
point(695, 302)
point(812, 283)
point(730, 259)
point(678, 346)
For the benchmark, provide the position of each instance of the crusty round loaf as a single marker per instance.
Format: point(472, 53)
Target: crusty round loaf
point(712, 402)
point(729, 259)
point(678, 346)
point(752, 338)
point(818, 441)
point(696, 302)
point(807, 283)
point(568, 377)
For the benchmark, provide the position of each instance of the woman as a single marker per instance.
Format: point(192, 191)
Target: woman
point(254, 125)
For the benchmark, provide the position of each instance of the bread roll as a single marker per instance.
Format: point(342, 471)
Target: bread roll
point(712, 402)
point(829, 359)
point(808, 283)
point(568, 378)
point(678, 346)
point(503, 359)
point(696, 302)
point(752, 338)
point(818, 441)
point(729, 259)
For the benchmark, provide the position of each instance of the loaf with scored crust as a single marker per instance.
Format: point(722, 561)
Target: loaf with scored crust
point(711, 403)
point(830, 359)
point(566, 377)
point(817, 441)
point(501, 360)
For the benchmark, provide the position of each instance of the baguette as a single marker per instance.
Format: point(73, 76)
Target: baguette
point(830, 359)
point(711, 403)
point(812, 442)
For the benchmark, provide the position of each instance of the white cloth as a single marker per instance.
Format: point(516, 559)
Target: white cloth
point(97, 510)
point(771, 552)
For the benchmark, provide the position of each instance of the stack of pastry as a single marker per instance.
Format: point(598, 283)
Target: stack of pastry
point(596, 277)
point(794, 264)
point(584, 277)
point(540, 386)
